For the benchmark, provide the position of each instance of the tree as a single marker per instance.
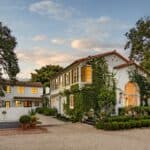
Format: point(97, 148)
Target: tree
point(139, 42)
point(8, 58)
point(44, 73)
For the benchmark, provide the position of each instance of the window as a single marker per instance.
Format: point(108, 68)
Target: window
point(7, 104)
point(61, 82)
point(20, 89)
point(75, 75)
point(56, 83)
point(86, 74)
point(27, 104)
point(67, 78)
point(8, 89)
point(18, 104)
point(71, 101)
point(34, 90)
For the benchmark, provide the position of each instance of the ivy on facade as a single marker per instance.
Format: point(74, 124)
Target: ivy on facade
point(99, 96)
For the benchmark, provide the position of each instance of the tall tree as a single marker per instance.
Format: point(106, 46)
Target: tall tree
point(44, 73)
point(139, 42)
point(8, 59)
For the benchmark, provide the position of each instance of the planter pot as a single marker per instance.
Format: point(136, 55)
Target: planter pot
point(33, 124)
point(25, 126)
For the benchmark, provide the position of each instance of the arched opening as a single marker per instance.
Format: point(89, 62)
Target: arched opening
point(131, 94)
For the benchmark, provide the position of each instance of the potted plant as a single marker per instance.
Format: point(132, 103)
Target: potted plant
point(25, 121)
point(4, 114)
point(34, 121)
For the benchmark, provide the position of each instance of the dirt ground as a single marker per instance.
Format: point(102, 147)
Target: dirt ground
point(68, 136)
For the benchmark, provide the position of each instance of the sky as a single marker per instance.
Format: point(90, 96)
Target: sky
point(59, 31)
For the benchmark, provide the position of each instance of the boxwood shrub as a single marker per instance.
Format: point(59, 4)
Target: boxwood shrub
point(140, 110)
point(25, 119)
point(114, 125)
point(125, 118)
point(47, 111)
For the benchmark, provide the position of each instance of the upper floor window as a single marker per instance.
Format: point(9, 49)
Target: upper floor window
point(20, 89)
point(34, 90)
point(86, 74)
point(8, 89)
point(67, 78)
point(75, 75)
point(61, 80)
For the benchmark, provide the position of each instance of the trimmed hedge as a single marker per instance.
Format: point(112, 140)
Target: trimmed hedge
point(63, 118)
point(123, 125)
point(124, 118)
point(25, 119)
point(140, 110)
point(47, 111)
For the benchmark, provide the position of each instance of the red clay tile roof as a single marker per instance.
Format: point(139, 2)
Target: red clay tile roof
point(114, 52)
point(23, 83)
point(130, 63)
point(124, 65)
point(99, 56)
point(28, 98)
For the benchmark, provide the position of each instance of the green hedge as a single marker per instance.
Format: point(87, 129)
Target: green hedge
point(140, 110)
point(25, 119)
point(63, 118)
point(124, 118)
point(47, 111)
point(123, 125)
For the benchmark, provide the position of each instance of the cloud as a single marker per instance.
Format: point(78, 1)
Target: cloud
point(51, 9)
point(91, 27)
point(39, 38)
point(58, 41)
point(84, 44)
point(104, 19)
point(43, 56)
point(93, 44)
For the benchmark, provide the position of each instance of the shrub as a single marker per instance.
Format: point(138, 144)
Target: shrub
point(50, 111)
point(40, 110)
point(100, 125)
point(137, 110)
point(25, 119)
point(63, 118)
point(123, 125)
point(125, 118)
point(34, 119)
point(47, 111)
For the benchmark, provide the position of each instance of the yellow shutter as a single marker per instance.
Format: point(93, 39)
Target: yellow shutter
point(34, 90)
point(20, 89)
point(8, 89)
point(86, 74)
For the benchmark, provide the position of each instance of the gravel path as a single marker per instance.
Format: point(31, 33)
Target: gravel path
point(78, 137)
point(47, 120)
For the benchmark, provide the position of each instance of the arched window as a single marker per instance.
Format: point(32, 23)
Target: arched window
point(131, 94)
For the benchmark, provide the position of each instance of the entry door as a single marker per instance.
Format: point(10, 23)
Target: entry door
point(131, 94)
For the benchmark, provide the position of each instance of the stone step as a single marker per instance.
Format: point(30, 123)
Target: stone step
point(4, 125)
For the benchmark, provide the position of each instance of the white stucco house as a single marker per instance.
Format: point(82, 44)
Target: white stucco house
point(19, 98)
point(79, 72)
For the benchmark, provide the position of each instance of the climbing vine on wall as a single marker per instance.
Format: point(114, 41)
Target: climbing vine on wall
point(99, 95)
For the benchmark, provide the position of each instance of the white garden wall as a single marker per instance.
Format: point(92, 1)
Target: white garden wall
point(13, 113)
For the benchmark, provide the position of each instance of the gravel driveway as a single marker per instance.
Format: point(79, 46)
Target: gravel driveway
point(68, 136)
